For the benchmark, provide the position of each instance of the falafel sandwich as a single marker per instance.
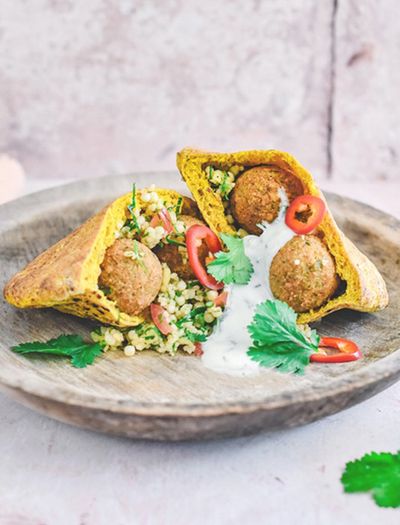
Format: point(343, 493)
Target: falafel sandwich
point(315, 269)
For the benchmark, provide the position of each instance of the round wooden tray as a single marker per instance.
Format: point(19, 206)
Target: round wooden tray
point(158, 397)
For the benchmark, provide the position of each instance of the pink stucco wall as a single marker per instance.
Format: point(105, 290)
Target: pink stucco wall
point(103, 86)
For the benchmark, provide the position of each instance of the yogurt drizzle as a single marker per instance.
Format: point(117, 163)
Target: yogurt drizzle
point(225, 350)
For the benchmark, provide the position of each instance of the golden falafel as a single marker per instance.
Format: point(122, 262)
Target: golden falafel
point(255, 196)
point(132, 274)
point(176, 256)
point(303, 273)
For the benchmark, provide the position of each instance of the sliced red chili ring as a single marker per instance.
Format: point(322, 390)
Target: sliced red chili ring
point(348, 351)
point(194, 237)
point(305, 213)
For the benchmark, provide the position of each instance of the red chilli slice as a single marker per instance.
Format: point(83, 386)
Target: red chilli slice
point(305, 213)
point(194, 237)
point(348, 351)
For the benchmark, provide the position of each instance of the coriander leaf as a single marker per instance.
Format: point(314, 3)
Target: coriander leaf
point(233, 266)
point(86, 355)
point(378, 473)
point(73, 346)
point(278, 342)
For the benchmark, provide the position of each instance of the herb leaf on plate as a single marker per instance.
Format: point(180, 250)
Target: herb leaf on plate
point(378, 473)
point(278, 341)
point(232, 266)
point(73, 346)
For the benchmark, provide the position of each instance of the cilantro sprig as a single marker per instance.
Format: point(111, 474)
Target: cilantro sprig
point(232, 266)
point(378, 473)
point(278, 341)
point(73, 346)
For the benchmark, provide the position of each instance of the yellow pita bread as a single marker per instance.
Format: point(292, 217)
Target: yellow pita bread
point(365, 289)
point(66, 275)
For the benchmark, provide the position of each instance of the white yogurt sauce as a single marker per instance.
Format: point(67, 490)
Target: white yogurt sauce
point(225, 350)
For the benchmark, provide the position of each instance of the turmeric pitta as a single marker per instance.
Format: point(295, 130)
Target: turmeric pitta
point(66, 275)
point(365, 289)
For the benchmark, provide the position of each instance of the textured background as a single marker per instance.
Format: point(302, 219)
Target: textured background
point(101, 86)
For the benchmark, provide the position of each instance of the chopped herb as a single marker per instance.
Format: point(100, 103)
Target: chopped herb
point(378, 473)
point(174, 241)
point(132, 205)
point(191, 315)
point(132, 223)
point(178, 207)
point(196, 337)
point(73, 346)
point(278, 342)
point(225, 188)
point(233, 266)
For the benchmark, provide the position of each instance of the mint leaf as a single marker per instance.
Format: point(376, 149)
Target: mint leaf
point(233, 266)
point(378, 473)
point(73, 346)
point(278, 341)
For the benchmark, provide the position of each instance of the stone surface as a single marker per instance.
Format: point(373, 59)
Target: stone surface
point(102, 86)
point(366, 116)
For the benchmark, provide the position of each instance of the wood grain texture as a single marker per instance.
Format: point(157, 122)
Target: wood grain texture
point(158, 397)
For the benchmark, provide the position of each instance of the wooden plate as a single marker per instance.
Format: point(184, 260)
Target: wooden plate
point(158, 397)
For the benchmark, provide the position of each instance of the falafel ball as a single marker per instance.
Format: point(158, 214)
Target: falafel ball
point(177, 261)
point(255, 196)
point(303, 273)
point(133, 284)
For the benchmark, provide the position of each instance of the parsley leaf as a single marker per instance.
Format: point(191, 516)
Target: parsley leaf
point(233, 266)
point(196, 337)
point(278, 341)
point(378, 473)
point(73, 346)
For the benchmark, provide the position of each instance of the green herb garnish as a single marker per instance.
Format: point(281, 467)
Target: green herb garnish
point(278, 342)
point(196, 337)
point(224, 187)
point(73, 346)
point(233, 266)
point(178, 207)
point(378, 473)
point(132, 205)
point(173, 241)
point(133, 223)
point(191, 315)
